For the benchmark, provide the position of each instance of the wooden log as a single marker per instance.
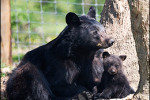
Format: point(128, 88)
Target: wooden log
point(6, 52)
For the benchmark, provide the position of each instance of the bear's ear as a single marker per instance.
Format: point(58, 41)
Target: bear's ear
point(72, 19)
point(105, 54)
point(92, 12)
point(122, 57)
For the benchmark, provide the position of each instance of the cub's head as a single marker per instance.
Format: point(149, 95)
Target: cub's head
point(112, 63)
point(87, 32)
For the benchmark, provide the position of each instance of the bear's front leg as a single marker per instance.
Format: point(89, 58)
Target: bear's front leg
point(106, 93)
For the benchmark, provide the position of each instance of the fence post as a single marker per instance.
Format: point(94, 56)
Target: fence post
point(5, 38)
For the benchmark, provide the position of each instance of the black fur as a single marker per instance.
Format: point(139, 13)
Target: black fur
point(63, 67)
point(114, 83)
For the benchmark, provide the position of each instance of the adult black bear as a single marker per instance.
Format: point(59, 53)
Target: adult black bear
point(60, 69)
point(114, 83)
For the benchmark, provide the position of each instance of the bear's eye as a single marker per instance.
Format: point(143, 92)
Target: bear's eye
point(95, 32)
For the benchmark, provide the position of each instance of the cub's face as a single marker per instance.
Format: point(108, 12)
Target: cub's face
point(112, 63)
point(89, 33)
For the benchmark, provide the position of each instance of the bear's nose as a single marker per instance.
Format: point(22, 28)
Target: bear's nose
point(113, 71)
point(111, 42)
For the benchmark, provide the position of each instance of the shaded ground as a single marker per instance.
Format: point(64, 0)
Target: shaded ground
point(3, 86)
point(4, 73)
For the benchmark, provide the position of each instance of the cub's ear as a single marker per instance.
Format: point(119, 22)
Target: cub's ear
point(92, 12)
point(122, 57)
point(105, 54)
point(72, 19)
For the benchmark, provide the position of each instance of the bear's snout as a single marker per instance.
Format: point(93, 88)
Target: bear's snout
point(111, 42)
point(112, 71)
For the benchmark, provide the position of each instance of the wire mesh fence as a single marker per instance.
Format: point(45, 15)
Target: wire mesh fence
point(36, 22)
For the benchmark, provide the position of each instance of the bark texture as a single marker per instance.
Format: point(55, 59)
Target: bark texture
point(140, 28)
point(116, 19)
point(5, 37)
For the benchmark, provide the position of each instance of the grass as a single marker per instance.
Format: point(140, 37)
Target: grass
point(3, 74)
point(15, 57)
point(5, 69)
point(3, 65)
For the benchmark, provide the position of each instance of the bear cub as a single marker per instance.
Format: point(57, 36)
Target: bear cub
point(114, 83)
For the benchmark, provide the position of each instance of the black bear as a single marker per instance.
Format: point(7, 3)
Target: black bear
point(114, 83)
point(63, 67)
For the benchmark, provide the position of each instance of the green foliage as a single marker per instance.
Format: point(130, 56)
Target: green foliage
point(15, 57)
point(3, 74)
point(3, 65)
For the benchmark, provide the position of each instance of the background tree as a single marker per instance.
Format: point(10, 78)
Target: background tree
point(127, 22)
point(139, 10)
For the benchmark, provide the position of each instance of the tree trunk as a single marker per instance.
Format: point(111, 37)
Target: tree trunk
point(131, 35)
point(5, 33)
point(140, 28)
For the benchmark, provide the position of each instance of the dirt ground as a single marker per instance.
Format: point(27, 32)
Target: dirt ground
point(3, 86)
point(5, 71)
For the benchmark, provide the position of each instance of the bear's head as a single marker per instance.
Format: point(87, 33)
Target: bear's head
point(89, 33)
point(81, 35)
point(112, 63)
point(84, 33)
